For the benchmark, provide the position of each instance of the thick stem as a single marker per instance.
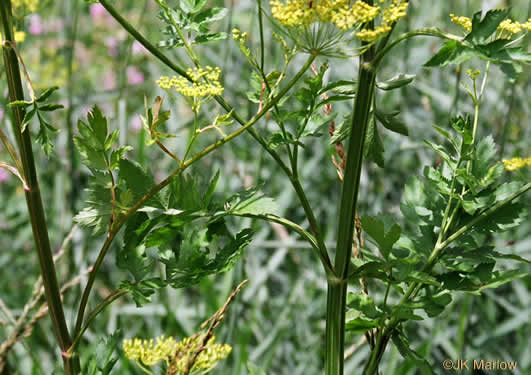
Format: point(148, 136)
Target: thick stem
point(337, 289)
point(33, 196)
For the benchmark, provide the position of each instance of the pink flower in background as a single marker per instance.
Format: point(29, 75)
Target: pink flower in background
point(112, 46)
point(35, 26)
point(136, 124)
point(4, 175)
point(139, 48)
point(97, 12)
point(134, 76)
point(109, 80)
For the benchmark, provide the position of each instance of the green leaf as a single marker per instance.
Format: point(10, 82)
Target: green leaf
point(509, 216)
point(435, 305)
point(390, 121)
point(141, 291)
point(192, 6)
point(46, 94)
point(333, 99)
point(98, 124)
point(396, 82)
point(252, 202)
point(43, 136)
point(27, 118)
point(207, 198)
point(357, 323)
point(138, 181)
point(376, 228)
point(192, 260)
point(376, 269)
point(401, 343)
point(97, 212)
point(206, 38)
point(452, 52)
point(499, 278)
point(405, 312)
point(210, 15)
point(50, 107)
point(482, 29)
point(22, 104)
point(373, 147)
point(132, 257)
point(342, 130)
point(91, 157)
point(485, 155)
point(190, 193)
point(423, 278)
point(101, 361)
point(364, 304)
point(277, 139)
point(335, 85)
point(316, 125)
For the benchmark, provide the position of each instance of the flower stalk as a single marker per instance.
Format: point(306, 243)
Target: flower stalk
point(337, 288)
point(32, 192)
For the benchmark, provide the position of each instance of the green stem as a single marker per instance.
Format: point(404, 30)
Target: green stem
point(164, 183)
point(90, 317)
point(314, 227)
point(72, 12)
point(432, 31)
point(33, 196)
point(337, 289)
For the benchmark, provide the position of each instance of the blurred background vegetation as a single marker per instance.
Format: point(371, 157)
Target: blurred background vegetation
point(277, 322)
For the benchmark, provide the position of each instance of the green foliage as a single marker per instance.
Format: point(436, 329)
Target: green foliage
point(362, 314)
point(375, 227)
point(396, 82)
point(96, 147)
point(40, 105)
point(102, 361)
point(189, 236)
point(192, 18)
point(480, 43)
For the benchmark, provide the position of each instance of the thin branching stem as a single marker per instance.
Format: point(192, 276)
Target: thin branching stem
point(112, 234)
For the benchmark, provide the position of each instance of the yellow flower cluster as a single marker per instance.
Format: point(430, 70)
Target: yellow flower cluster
point(205, 361)
point(394, 12)
point(513, 27)
point(205, 82)
point(464, 22)
point(516, 163)
point(294, 12)
point(473, 74)
point(346, 17)
point(368, 35)
point(238, 36)
point(19, 36)
point(31, 5)
point(149, 354)
point(176, 354)
point(344, 14)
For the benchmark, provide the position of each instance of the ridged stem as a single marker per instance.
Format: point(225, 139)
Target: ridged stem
point(337, 288)
point(32, 192)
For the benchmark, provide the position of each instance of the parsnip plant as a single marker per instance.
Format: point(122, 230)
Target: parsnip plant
point(439, 245)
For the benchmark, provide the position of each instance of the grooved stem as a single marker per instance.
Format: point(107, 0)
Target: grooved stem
point(32, 192)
